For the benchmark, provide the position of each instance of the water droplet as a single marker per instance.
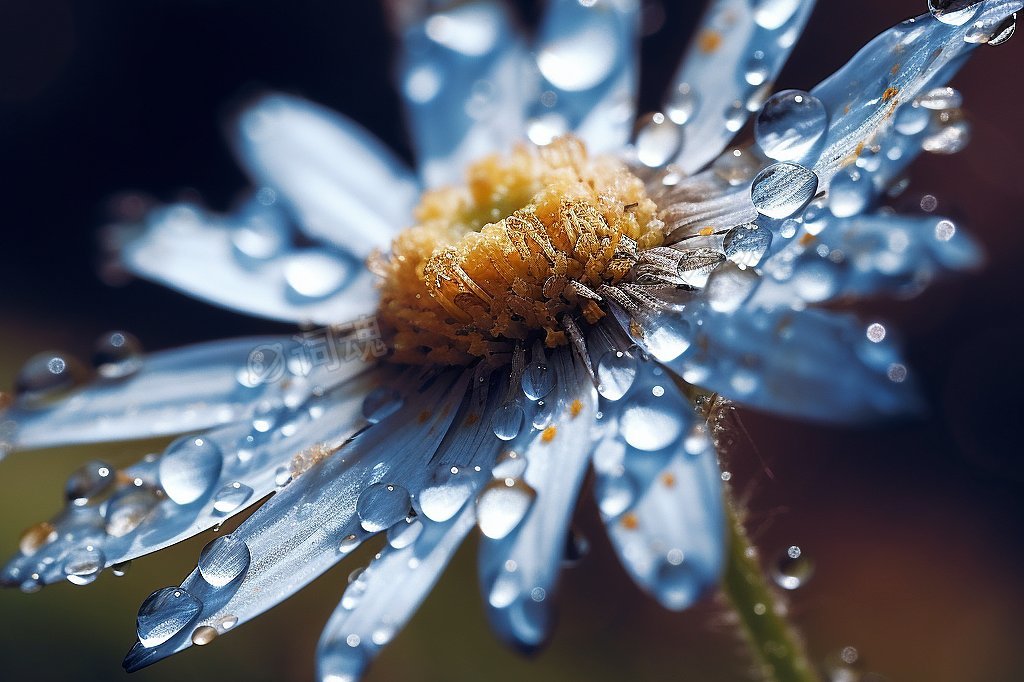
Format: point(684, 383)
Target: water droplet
point(450, 487)
point(850, 193)
point(757, 70)
point(657, 140)
point(203, 635)
point(507, 421)
point(259, 238)
point(783, 189)
point(616, 372)
point(651, 422)
point(502, 505)
point(939, 99)
point(190, 468)
point(815, 279)
point(89, 482)
point(911, 119)
point(538, 380)
point(953, 12)
point(615, 494)
point(678, 584)
point(682, 104)
point(792, 568)
point(283, 476)
point(231, 497)
point(404, 533)
point(35, 537)
point(745, 245)
point(951, 137)
point(223, 560)
point(348, 543)
point(582, 56)
point(736, 166)
point(380, 403)
point(118, 355)
point(164, 614)
point(774, 14)
point(121, 568)
point(314, 274)
point(729, 286)
point(83, 565)
point(543, 129)
point(510, 464)
point(735, 116)
point(47, 376)
point(790, 125)
point(382, 505)
point(128, 508)
point(696, 264)
point(1003, 31)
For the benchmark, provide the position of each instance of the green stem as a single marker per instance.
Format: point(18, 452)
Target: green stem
point(776, 645)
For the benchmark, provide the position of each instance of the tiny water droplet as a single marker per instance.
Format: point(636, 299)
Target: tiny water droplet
point(657, 140)
point(203, 635)
point(502, 505)
point(117, 355)
point(538, 380)
point(47, 376)
point(682, 104)
point(939, 99)
point(348, 543)
point(121, 568)
point(792, 568)
point(735, 166)
point(223, 560)
point(382, 505)
point(650, 422)
point(190, 468)
point(89, 482)
point(615, 494)
point(231, 497)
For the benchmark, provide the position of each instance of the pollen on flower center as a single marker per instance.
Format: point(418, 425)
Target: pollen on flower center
point(504, 259)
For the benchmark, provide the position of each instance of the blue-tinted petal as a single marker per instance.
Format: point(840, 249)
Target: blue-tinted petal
point(197, 483)
point(735, 57)
point(208, 257)
point(586, 56)
point(173, 391)
point(519, 572)
point(463, 78)
point(316, 519)
point(810, 364)
point(343, 185)
point(894, 68)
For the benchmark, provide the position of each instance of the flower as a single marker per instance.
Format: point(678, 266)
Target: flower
point(474, 402)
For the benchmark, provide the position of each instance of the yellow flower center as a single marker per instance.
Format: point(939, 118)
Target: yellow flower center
point(503, 260)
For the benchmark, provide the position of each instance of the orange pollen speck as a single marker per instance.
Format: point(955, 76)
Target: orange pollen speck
point(549, 434)
point(890, 92)
point(423, 417)
point(473, 418)
point(707, 231)
point(709, 41)
point(629, 521)
point(303, 461)
point(576, 408)
point(807, 239)
point(668, 480)
point(504, 259)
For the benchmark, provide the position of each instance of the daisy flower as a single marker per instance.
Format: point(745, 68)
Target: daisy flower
point(561, 286)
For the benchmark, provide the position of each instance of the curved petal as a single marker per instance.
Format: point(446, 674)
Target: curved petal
point(316, 519)
point(174, 391)
point(463, 80)
point(586, 56)
point(344, 186)
point(197, 483)
point(810, 364)
point(519, 572)
point(894, 68)
point(734, 59)
point(214, 258)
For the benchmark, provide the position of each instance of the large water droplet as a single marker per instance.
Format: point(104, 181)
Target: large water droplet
point(380, 403)
point(83, 565)
point(616, 372)
point(745, 245)
point(89, 482)
point(231, 497)
point(164, 614)
point(190, 468)
point(382, 505)
point(314, 274)
point(782, 189)
point(128, 508)
point(118, 355)
point(502, 505)
point(654, 419)
point(1003, 31)
point(792, 568)
point(223, 560)
point(953, 12)
point(507, 421)
point(657, 140)
point(450, 488)
point(790, 125)
point(47, 376)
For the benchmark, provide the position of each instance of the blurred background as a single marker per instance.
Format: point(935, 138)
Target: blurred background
point(914, 528)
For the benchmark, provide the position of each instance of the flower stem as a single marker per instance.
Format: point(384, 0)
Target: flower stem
point(777, 647)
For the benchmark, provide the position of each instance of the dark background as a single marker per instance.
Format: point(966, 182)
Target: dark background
point(914, 527)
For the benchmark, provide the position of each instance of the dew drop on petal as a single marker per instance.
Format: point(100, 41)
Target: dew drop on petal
point(190, 468)
point(582, 57)
point(380, 403)
point(735, 166)
point(938, 99)
point(951, 137)
point(911, 119)
point(783, 189)
point(164, 614)
point(203, 635)
point(1003, 31)
point(792, 568)
point(128, 508)
point(231, 497)
point(657, 140)
point(745, 245)
point(730, 286)
point(314, 274)
point(953, 12)
point(117, 355)
point(615, 494)
point(83, 565)
point(774, 14)
point(223, 560)
point(509, 464)
point(382, 505)
point(682, 104)
point(348, 543)
point(538, 379)
point(502, 505)
point(652, 422)
point(616, 372)
point(404, 533)
point(849, 193)
point(507, 421)
point(815, 279)
point(89, 482)
point(35, 537)
point(676, 582)
point(47, 375)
